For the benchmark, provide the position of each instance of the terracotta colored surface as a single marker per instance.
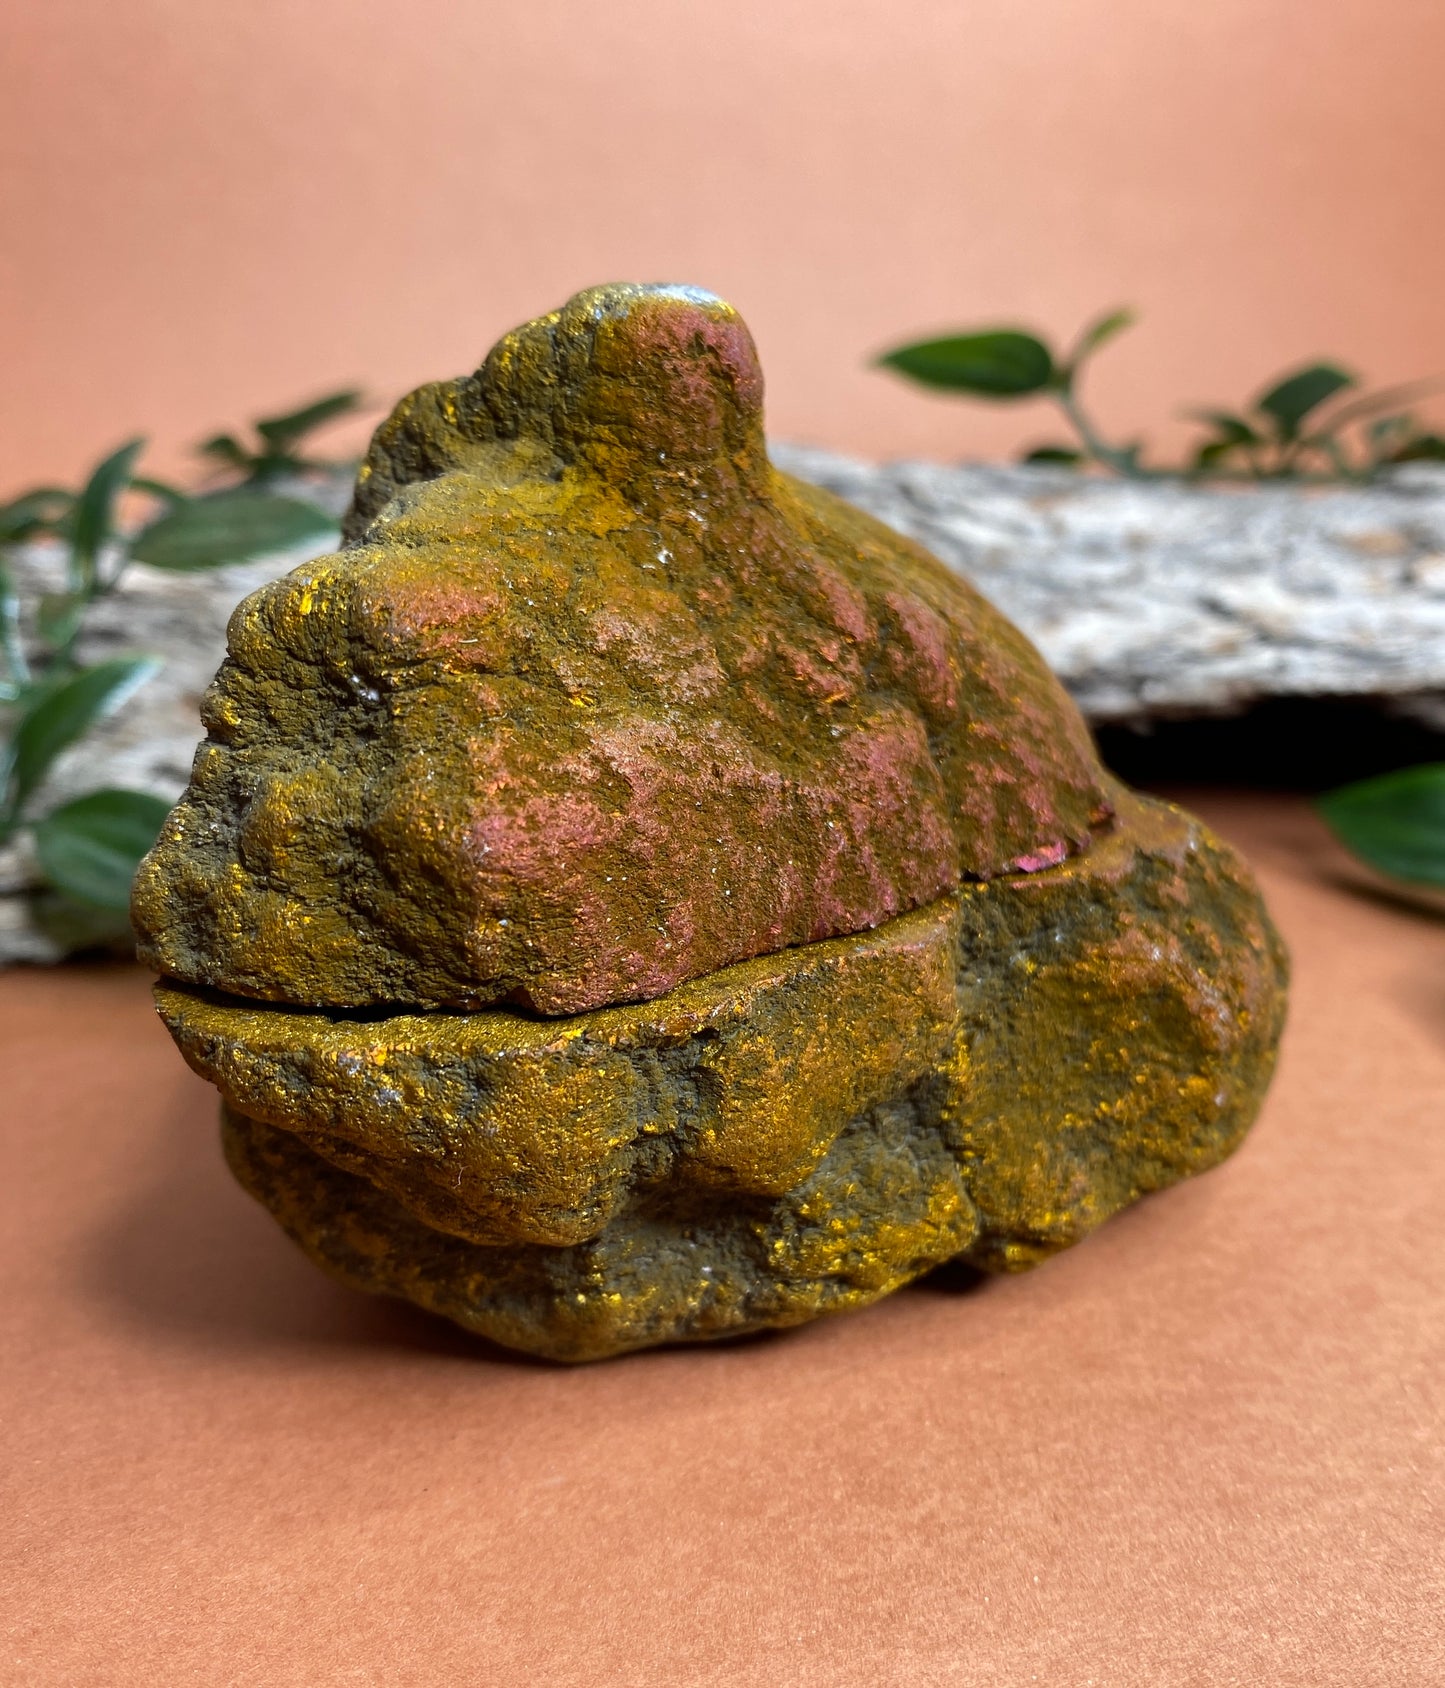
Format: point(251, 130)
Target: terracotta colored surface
point(213, 208)
point(1204, 1447)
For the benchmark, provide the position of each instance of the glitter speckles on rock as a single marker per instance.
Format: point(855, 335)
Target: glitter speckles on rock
point(628, 896)
point(604, 703)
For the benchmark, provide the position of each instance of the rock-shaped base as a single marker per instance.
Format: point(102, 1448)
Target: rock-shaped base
point(988, 1078)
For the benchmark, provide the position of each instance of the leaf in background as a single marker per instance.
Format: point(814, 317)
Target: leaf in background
point(41, 510)
point(1061, 454)
point(1386, 398)
point(281, 433)
point(60, 714)
point(1289, 401)
point(1212, 453)
point(17, 669)
point(1420, 448)
point(57, 616)
point(1229, 429)
point(227, 449)
point(92, 521)
point(1000, 364)
point(90, 848)
point(229, 527)
point(1101, 329)
point(75, 927)
point(1395, 822)
point(169, 495)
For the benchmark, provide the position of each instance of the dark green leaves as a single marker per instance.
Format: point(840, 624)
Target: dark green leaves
point(1229, 429)
point(57, 715)
point(170, 496)
point(279, 439)
point(1231, 434)
point(229, 527)
point(227, 450)
point(1002, 363)
point(1008, 363)
point(57, 617)
point(89, 849)
point(285, 433)
point(1291, 431)
point(1289, 401)
point(1285, 436)
point(92, 522)
point(1420, 448)
point(40, 511)
point(1065, 456)
point(1396, 823)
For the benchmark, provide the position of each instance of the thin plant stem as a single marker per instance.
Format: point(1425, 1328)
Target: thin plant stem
point(1094, 443)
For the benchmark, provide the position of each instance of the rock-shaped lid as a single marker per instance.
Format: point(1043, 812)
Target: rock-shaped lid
point(595, 701)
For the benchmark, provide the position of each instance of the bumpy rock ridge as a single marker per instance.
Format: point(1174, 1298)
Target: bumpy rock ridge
point(988, 1078)
point(596, 702)
point(627, 896)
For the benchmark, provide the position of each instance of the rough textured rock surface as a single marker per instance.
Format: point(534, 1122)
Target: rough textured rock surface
point(1150, 601)
point(987, 1078)
point(1160, 598)
point(595, 701)
point(149, 746)
point(151, 743)
point(628, 896)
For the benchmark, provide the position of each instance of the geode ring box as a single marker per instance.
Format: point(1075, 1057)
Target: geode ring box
point(628, 895)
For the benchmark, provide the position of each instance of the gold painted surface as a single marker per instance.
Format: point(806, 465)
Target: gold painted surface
point(498, 1127)
point(988, 1078)
point(627, 895)
point(594, 701)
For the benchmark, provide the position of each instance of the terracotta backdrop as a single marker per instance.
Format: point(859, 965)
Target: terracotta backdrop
point(210, 208)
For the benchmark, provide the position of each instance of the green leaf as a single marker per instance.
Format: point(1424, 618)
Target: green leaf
point(229, 527)
point(12, 646)
point(57, 715)
point(92, 522)
point(1421, 448)
point(1061, 454)
point(1101, 329)
point(41, 510)
point(281, 433)
point(169, 495)
point(1395, 822)
point(1212, 453)
point(1000, 364)
point(1229, 429)
point(89, 849)
point(1386, 398)
point(1289, 401)
point(228, 450)
point(76, 927)
point(57, 617)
